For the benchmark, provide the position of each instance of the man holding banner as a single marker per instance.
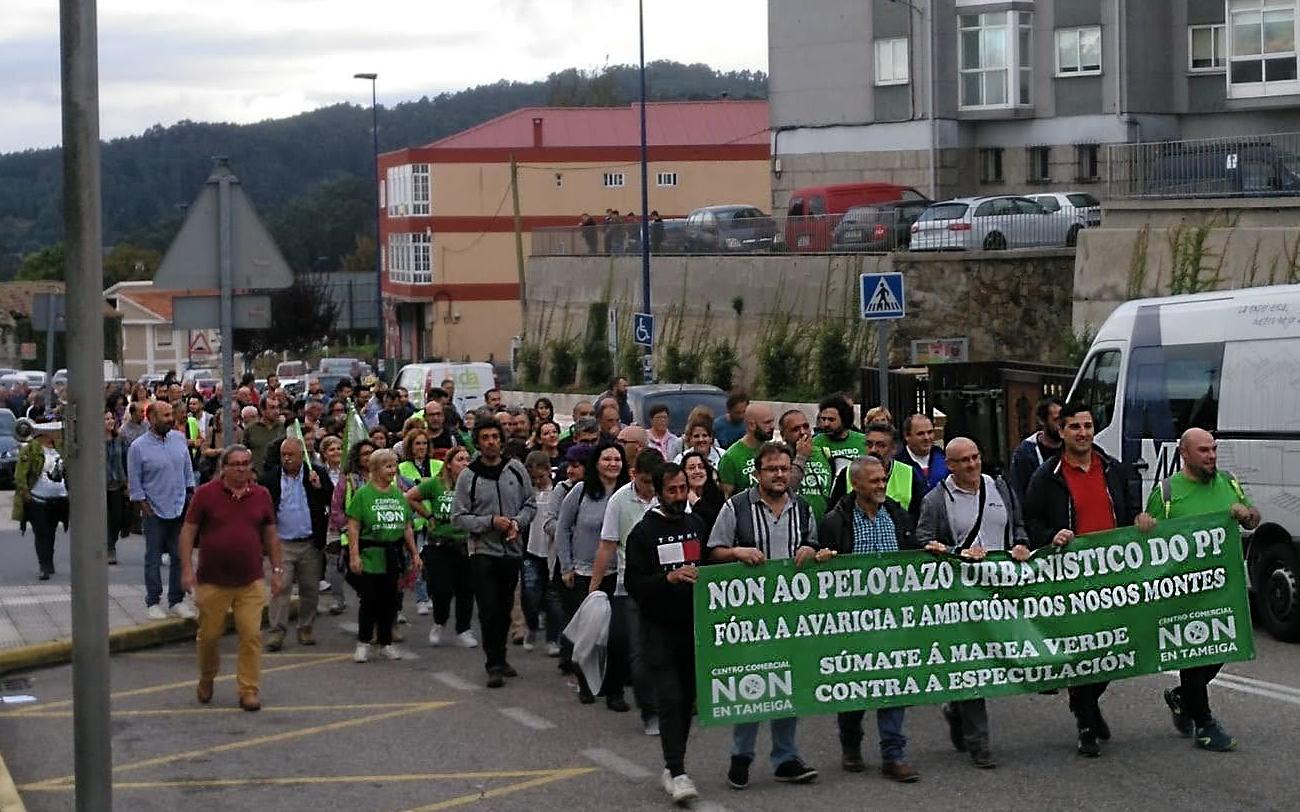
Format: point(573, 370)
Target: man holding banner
point(1200, 488)
point(1083, 491)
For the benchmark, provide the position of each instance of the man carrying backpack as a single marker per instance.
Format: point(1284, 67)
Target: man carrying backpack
point(1199, 488)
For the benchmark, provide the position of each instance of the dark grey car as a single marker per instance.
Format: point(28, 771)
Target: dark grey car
point(878, 227)
point(729, 229)
point(680, 398)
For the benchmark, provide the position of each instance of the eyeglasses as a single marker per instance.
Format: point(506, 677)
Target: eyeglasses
point(775, 469)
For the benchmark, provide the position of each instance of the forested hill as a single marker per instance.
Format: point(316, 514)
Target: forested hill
point(147, 176)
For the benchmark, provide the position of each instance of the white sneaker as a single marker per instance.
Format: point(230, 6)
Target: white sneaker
point(529, 639)
point(362, 653)
point(390, 652)
point(651, 726)
point(684, 789)
point(467, 639)
point(323, 586)
point(435, 635)
point(666, 781)
point(552, 649)
point(184, 611)
point(156, 612)
point(401, 619)
point(423, 608)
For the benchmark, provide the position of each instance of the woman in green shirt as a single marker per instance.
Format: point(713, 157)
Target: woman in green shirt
point(446, 557)
point(416, 466)
point(379, 519)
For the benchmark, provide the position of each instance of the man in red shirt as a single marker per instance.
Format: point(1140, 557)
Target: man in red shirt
point(233, 520)
point(1083, 491)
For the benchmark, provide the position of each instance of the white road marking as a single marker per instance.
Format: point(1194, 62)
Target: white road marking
point(708, 806)
point(616, 763)
point(526, 718)
point(453, 681)
point(1270, 690)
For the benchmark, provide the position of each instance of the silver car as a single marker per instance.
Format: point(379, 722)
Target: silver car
point(989, 223)
point(1082, 206)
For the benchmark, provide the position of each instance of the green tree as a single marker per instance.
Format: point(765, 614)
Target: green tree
point(126, 262)
point(306, 302)
point(47, 263)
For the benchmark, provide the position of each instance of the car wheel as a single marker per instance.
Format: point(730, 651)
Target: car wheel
point(1277, 596)
point(995, 241)
point(1072, 238)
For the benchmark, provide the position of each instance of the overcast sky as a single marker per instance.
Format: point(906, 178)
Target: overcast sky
point(248, 60)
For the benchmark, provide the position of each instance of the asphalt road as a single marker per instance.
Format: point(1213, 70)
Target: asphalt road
point(423, 734)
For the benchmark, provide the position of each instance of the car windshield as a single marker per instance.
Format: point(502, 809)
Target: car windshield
point(944, 211)
point(1082, 200)
point(744, 214)
point(680, 404)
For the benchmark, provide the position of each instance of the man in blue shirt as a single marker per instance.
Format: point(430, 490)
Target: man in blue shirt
point(160, 475)
point(301, 495)
point(730, 427)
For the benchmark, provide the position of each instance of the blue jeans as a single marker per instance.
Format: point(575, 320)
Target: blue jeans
point(743, 738)
point(162, 536)
point(534, 593)
point(889, 725)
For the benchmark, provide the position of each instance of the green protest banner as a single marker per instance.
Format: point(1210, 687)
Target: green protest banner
point(912, 628)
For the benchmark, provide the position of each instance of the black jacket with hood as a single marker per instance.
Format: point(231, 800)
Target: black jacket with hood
point(1049, 507)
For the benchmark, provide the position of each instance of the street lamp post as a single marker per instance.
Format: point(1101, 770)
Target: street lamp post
point(379, 273)
point(647, 363)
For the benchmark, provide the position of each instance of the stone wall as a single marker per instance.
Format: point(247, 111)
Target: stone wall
point(1011, 305)
point(1151, 248)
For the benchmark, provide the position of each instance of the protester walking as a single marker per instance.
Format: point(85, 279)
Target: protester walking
point(736, 468)
point(356, 472)
point(663, 557)
point(159, 475)
point(446, 560)
point(494, 505)
point(920, 451)
point(536, 563)
point(703, 497)
point(41, 491)
point(232, 523)
point(1083, 491)
point(1039, 447)
point(379, 520)
point(300, 494)
point(116, 500)
point(1200, 487)
point(812, 476)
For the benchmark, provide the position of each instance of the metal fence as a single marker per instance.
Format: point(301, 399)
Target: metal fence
point(995, 225)
point(1237, 166)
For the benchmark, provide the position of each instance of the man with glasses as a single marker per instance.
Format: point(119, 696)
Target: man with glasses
point(762, 522)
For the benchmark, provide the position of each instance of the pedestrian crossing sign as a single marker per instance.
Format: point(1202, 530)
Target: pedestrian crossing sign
point(881, 296)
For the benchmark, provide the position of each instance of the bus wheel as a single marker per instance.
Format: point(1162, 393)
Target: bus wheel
point(1278, 596)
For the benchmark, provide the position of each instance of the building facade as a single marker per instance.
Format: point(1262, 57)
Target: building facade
point(1010, 96)
point(449, 210)
point(150, 344)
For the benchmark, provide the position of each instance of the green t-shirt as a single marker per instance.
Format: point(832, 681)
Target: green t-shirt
point(736, 467)
point(383, 516)
point(853, 445)
point(815, 487)
point(1191, 498)
point(440, 499)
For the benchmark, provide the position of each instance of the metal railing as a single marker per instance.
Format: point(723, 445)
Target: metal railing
point(1235, 166)
point(998, 229)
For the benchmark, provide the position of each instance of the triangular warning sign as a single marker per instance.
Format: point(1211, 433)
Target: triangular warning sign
point(883, 300)
point(199, 344)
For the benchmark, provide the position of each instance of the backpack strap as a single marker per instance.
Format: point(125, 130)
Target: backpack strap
point(1167, 495)
point(1236, 486)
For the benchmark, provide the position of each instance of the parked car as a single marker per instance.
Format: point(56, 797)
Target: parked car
point(717, 229)
point(680, 398)
point(35, 379)
point(879, 227)
point(340, 366)
point(291, 369)
point(1195, 169)
point(674, 239)
point(9, 446)
point(989, 223)
point(814, 211)
point(197, 373)
point(1072, 204)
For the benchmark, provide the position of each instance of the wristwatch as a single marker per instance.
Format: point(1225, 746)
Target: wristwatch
point(277, 570)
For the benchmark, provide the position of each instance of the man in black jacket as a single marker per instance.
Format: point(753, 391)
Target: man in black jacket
point(301, 495)
point(1082, 491)
point(867, 521)
point(663, 557)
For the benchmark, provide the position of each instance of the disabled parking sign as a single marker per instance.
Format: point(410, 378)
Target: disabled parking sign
point(881, 296)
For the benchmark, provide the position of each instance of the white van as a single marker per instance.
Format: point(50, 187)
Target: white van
point(1227, 362)
point(472, 382)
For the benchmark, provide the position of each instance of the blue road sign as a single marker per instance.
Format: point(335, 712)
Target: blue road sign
point(643, 329)
point(881, 295)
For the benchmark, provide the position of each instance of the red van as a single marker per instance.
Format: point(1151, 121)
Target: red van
point(815, 210)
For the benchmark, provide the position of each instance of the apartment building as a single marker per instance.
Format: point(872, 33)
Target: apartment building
point(996, 96)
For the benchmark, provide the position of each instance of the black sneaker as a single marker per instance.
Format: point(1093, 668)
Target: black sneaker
point(617, 704)
point(1182, 722)
point(851, 761)
point(1210, 736)
point(795, 771)
point(738, 773)
point(954, 727)
point(983, 759)
point(585, 696)
point(1088, 746)
point(496, 679)
point(1099, 725)
point(112, 558)
point(508, 670)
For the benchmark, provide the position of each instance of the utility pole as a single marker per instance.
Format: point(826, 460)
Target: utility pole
point(83, 414)
point(648, 362)
point(519, 243)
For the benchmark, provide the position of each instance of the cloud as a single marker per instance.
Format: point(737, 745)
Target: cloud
point(247, 60)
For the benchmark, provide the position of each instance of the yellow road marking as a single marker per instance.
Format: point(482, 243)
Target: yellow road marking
point(557, 775)
point(246, 743)
point(166, 655)
point(265, 709)
point(219, 783)
point(189, 683)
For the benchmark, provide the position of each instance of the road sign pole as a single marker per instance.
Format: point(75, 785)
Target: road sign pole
point(227, 300)
point(83, 416)
point(882, 348)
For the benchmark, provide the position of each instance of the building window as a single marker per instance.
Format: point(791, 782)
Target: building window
point(410, 258)
point(991, 165)
point(420, 189)
point(1078, 51)
point(1262, 51)
point(1040, 165)
point(1087, 166)
point(162, 337)
point(996, 67)
point(666, 179)
point(1205, 48)
point(615, 180)
point(891, 61)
